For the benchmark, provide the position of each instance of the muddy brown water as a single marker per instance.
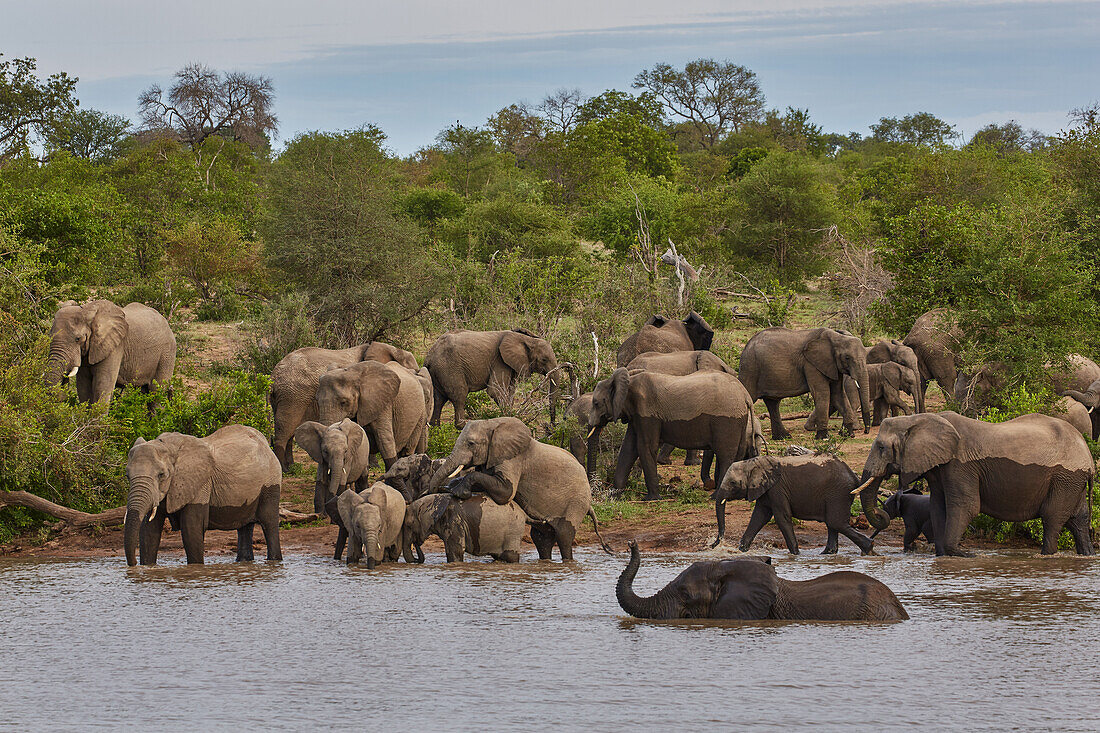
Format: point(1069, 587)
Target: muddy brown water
point(997, 642)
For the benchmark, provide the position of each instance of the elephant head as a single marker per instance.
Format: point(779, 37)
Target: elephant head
point(361, 514)
point(412, 475)
point(748, 588)
point(526, 354)
point(834, 354)
point(484, 445)
point(175, 469)
point(1090, 398)
point(362, 391)
point(896, 351)
point(85, 334)
point(747, 480)
point(909, 446)
point(335, 448)
point(434, 513)
point(609, 402)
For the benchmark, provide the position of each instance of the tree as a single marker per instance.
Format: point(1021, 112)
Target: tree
point(922, 129)
point(714, 97)
point(645, 107)
point(88, 133)
point(30, 107)
point(1008, 138)
point(517, 130)
point(470, 157)
point(561, 108)
point(213, 256)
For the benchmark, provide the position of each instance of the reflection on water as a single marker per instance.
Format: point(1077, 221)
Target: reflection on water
point(992, 644)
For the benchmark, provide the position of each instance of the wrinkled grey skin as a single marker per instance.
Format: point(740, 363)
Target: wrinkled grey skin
point(780, 362)
point(463, 361)
point(1033, 466)
point(814, 488)
point(893, 350)
point(578, 410)
point(664, 335)
point(374, 520)
point(915, 509)
point(412, 475)
point(886, 383)
point(1090, 400)
point(294, 385)
point(748, 588)
point(103, 346)
point(477, 525)
point(342, 453)
point(227, 480)
point(937, 341)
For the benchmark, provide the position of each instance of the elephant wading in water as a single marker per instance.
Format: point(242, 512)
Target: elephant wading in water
point(477, 525)
point(704, 410)
point(660, 334)
point(461, 362)
point(386, 399)
point(1034, 466)
point(504, 461)
point(749, 589)
point(294, 385)
point(780, 362)
point(227, 480)
point(342, 453)
point(374, 520)
point(104, 346)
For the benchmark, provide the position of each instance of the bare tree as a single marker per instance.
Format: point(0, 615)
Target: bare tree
point(860, 281)
point(713, 96)
point(560, 109)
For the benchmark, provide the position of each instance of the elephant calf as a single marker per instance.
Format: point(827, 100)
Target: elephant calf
point(412, 475)
point(817, 488)
point(886, 382)
point(477, 525)
point(915, 509)
point(374, 520)
point(342, 452)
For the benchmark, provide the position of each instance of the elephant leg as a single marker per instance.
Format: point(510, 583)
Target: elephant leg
point(387, 444)
point(341, 542)
point(628, 454)
point(542, 535)
point(105, 377)
point(778, 431)
point(149, 539)
point(564, 532)
point(1078, 526)
point(459, 402)
point(648, 441)
point(502, 387)
point(939, 518)
point(509, 556)
point(893, 398)
point(84, 383)
point(782, 512)
point(761, 514)
point(958, 515)
point(193, 521)
point(821, 390)
point(268, 516)
point(862, 541)
point(664, 456)
point(911, 533)
point(832, 542)
point(692, 458)
point(244, 543)
point(848, 419)
point(880, 411)
point(439, 399)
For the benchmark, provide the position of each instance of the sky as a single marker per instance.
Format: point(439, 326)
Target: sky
point(414, 67)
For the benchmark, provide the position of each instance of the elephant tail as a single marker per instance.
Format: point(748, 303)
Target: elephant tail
point(596, 528)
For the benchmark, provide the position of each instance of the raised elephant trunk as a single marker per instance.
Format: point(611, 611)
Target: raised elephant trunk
point(139, 505)
point(868, 498)
point(657, 606)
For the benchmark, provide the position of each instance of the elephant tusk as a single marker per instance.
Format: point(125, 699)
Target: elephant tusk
point(76, 369)
point(857, 383)
point(590, 432)
point(721, 502)
point(153, 513)
point(863, 486)
point(457, 470)
point(1092, 408)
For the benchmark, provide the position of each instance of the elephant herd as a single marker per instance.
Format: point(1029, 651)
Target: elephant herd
point(344, 407)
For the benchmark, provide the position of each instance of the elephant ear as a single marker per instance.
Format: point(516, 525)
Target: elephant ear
point(378, 388)
point(193, 474)
point(746, 589)
point(930, 442)
point(308, 435)
point(699, 331)
point(109, 329)
point(514, 350)
point(379, 497)
point(819, 354)
point(656, 321)
point(355, 434)
point(620, 391)
point(763, 475)
point(508, 440)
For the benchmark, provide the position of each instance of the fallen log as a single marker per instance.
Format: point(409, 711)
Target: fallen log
point(110, 518)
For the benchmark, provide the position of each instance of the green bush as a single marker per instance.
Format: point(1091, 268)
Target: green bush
point(441, 439)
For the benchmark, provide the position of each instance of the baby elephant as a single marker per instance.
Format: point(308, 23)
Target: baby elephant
point(477, 525)
point(374, 520)
point(886, 383)
point(412, 475)
point(816, 488)
point(342, 453)
point(916, 510)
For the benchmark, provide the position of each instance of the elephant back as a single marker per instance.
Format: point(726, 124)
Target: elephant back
point(244, 465)
point(552, 485)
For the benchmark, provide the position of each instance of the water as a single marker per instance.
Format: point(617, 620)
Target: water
point(996, 642)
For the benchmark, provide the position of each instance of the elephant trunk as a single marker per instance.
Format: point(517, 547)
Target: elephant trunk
point(918, 394)
point(63, 361)
point(864, 396)
point(555, 394)
point(868, 498)
point(593, 450)
point(139, 505)
point(450, 468)
point(374, 552)
point(337, 476)
point(656, 606)
point(1088, 399)
point(720, 516)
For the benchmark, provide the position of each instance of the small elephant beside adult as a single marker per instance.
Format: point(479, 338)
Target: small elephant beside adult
point(412, 475)
point(886, 382)
point(103, 346)
point(664, 335)
point(504, 461)
point(1033, 466)
point(374, 520)
point(781, 362)
point(228, 480)
point(915, 510)
point(815, 488)
point(387, 400)
point(478, 526)
point(464, 361)
point(699, 411)
point(892, 350)
point(748, 588)
point(342, 453)
point(294, 385)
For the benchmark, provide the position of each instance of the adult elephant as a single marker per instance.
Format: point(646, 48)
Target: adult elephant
point(227, 480)
point(294, 385)
point(504, 461)
point(1078, 374)
point(936, 339)
point(1089, 399)
point(342, 453)
point(1034, 466)
point(704, 410)
point(462, 361)
point(781, 362)
point(664, 335)
point(748, 588)
point(104, 346)
point(892, 350)
point(386, 399)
